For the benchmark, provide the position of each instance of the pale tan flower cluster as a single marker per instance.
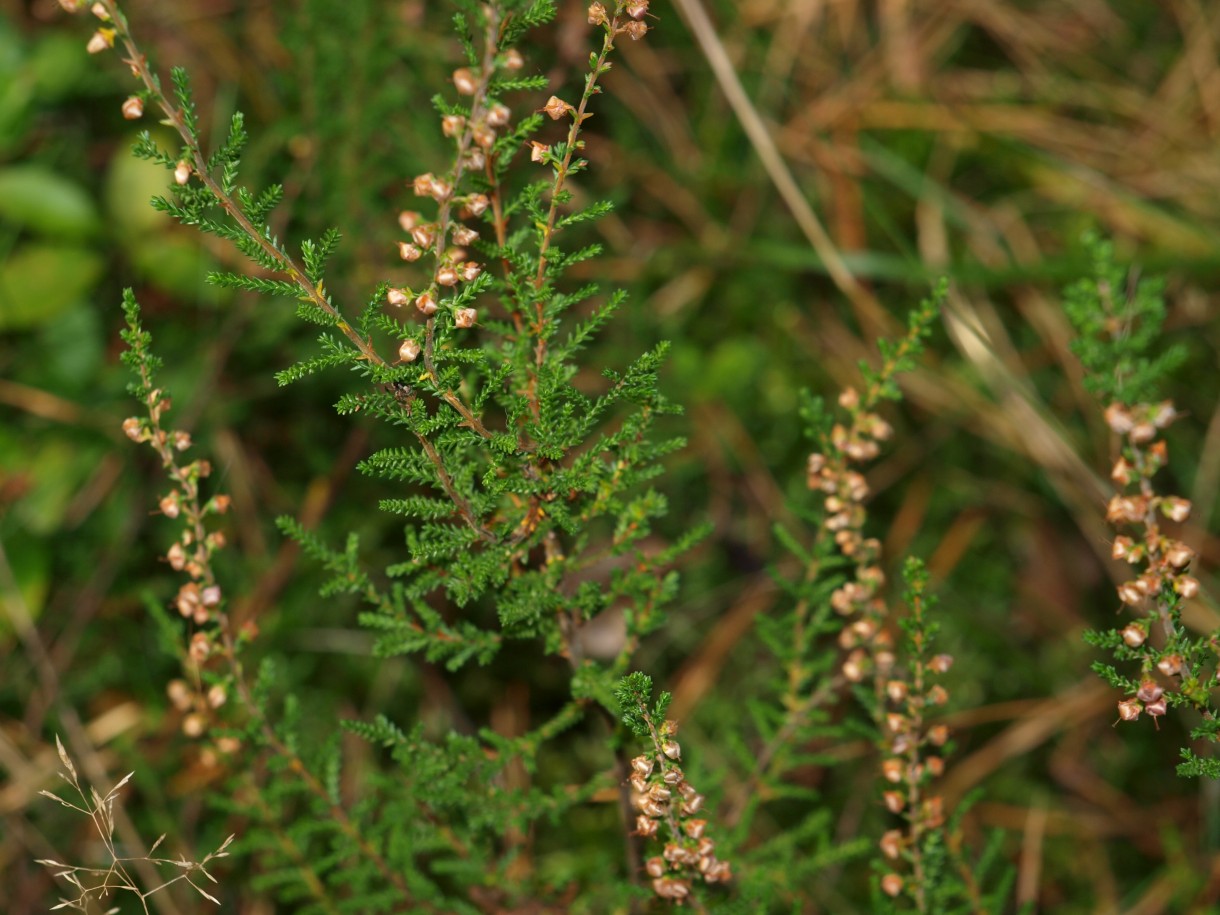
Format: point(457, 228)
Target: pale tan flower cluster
point(1163, 559)
point(663, 797)
point(844, 488)
point(199, 599)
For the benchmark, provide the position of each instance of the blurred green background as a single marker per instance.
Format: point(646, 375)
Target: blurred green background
point(973, 140)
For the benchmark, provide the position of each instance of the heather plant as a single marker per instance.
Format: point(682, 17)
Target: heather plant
point(1120, 319)
point(524, 764)
point(515, 481)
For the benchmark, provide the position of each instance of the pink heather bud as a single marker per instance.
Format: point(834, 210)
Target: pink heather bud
point(645, 826)
point(555, 108)
point(452, 124)
point(477, 204)
point(470, 271)
point(98, 10)
point(895, 722)
point(1134, 635)
point(671, 888)
point(465, 82)
point(182, 172)
point(651, 808)
point(169, 505)
point(693, 805)
point(182, 441)
point(1175, 508)
point(217, 696)
point(854, 667)
point(1164, 414)
point(1123, 548)
point(891, 884)
point(71, 6)
point(421, 185)
point(498, 115)
point(409, 251)
point(1122, 473)
point(210, 596)
point(597, 14)
point(937, 695)
point(465, 317)
point(201, 646)
point(637, 9)
point(539, 151)
point(422, 235)
point(187, 600)
point(440, 189)
point(1187, 586)
point(409, 219)
point(1158, 708)
point(1179, 555)
point(1131, 594)
point(892, 769)
point(1142, 433)
point(694, 828)
point(1170, 665)
point(673, 777)
point(639, 783)
point(936, 766)
point(938, 735)
point(101, 40)
point(408, 351)
point(463, 235)
point(849, 398)
point(885, 660)
point(133, 108)
point(643, 765)
point(659, 792)
point(655, 867)
point(426, 304)
point(896, 690)
point(891, 843)
point(894, 801)
point(513, 59)
point(474, 160)
point(941, 663)
point(1126, 509)
point(447, 275)
point(133, 429)
point(483, 135)
point(396, 296)
point(671, 749)
point(194, 724)
point(1149, 691)
point(179, 694)
point(176, 557)
point(1118, 419)
point(635, 30)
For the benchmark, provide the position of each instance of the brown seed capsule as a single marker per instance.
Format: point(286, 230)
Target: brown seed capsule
point(597, 14)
